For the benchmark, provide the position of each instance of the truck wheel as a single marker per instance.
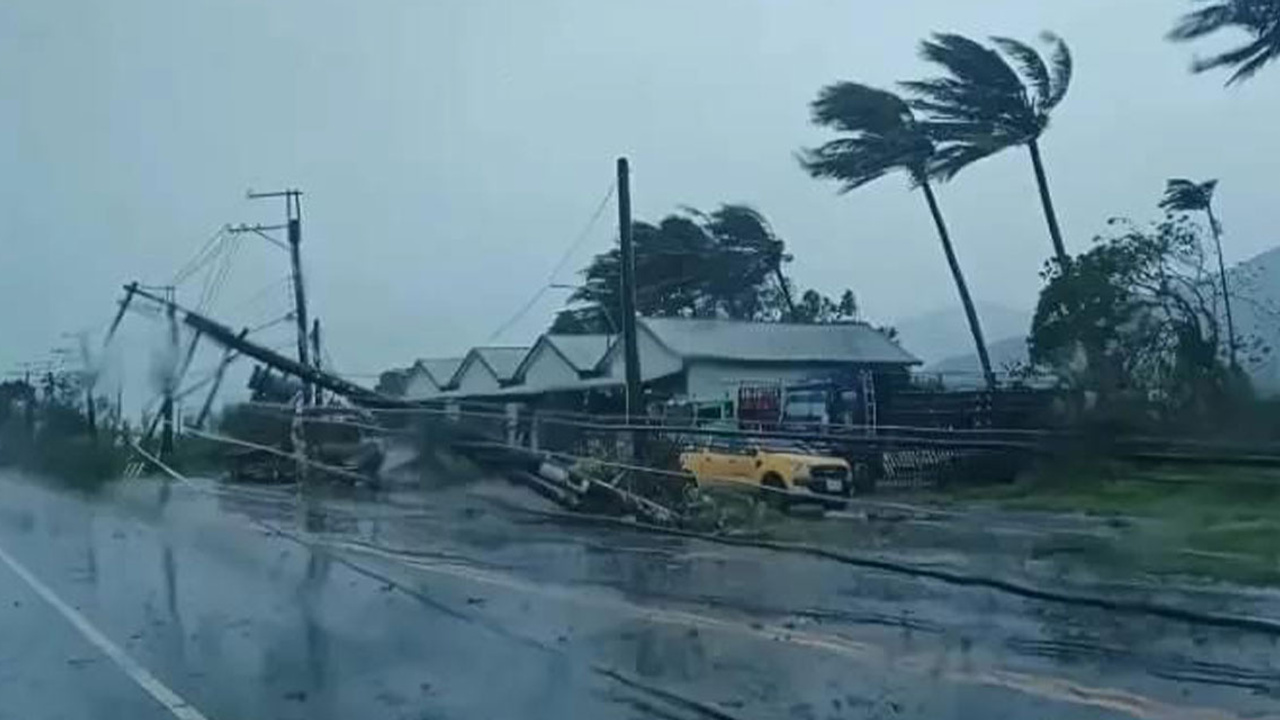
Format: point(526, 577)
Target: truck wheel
point(774, 492)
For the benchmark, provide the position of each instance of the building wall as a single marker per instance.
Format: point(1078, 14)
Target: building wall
point(547, 369)
point(719, 379)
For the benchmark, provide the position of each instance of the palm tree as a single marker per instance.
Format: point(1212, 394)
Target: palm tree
point(879, 134)
point(1183, 195)
point(983, 105)
point(1260, 19)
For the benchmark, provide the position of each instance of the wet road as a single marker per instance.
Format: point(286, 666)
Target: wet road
point(455, 605)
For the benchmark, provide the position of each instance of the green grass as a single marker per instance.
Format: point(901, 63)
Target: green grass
point(1218, 523)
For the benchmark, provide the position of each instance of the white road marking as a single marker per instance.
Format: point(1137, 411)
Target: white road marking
point(171, 701)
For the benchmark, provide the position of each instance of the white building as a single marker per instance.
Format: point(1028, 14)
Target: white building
point(486, 371)
point(429, 378)
point(562, 361)
point(681, 360)
point(707, 360)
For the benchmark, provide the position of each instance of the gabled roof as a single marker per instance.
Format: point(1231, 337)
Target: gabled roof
point(776, 342)
point(501, 361)
point(440, 370)
point(584, 352)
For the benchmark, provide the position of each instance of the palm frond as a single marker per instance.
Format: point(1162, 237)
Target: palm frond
point(1030, 64)
point(1182, 195)
point(739, 224)
point(1205, 21)
point(1247, 60)
point(1062, 66)
point(981, 104)
point(852, 107)
point(857, 162)
point(971, 62)
point(1260, 19)
point(952, 158)
point(880, 136)
point(979, 86)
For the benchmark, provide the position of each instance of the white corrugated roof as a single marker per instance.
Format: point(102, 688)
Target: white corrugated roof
point(441, 370)
point(583, 352)
point(504, 361)
point(777, 342)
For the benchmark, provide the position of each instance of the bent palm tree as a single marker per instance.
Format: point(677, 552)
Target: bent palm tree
point(983, 105)
point(1260, 19)
point(880, 135)
point(1183, 195)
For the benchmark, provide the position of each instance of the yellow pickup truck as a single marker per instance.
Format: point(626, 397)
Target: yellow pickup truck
point(784, 472)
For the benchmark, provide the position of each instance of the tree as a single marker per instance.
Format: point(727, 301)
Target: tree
point(726, 263)
point(816, 308)
point(1260, 19)
point(741, 226)
point(1185, 196)
point(392, 383)
point(983, 106)
point(880, 135)
point(1140, 307)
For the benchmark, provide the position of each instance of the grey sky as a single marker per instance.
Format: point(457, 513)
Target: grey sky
point(452, 149)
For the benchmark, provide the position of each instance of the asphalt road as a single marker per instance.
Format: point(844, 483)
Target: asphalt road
point(152, 600)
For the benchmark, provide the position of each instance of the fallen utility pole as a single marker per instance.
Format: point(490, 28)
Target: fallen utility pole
point(228, 338)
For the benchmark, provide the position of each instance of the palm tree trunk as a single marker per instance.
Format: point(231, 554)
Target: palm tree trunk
point(786, 292)
point(957, 274)
point(1046, 200)
point(1226, 294)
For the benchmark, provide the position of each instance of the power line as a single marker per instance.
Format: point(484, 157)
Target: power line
point(582, 236)
point(218, 278)
point(202, 256)
point(263, 292)
point(564, 260)
point(271, 323)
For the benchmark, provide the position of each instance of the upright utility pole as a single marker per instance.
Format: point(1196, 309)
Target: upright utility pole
point(315, 356)
point(630, 350)
point(293, 226)
point(171, 383)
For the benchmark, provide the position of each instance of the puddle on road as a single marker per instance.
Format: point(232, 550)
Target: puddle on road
point(753, 633)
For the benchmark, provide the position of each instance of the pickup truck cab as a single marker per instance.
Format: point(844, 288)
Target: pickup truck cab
point(784, 472)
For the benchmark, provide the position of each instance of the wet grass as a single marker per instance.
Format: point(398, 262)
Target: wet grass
point(1217, 523)
point(76, 462)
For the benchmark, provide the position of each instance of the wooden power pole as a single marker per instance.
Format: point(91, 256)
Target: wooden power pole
point(630, 348)
point(293, 229)
point(315, 357)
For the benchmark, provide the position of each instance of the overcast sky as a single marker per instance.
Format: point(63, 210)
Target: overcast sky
point(451, 150)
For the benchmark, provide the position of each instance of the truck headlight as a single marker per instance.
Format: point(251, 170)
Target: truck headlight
point(800, 471)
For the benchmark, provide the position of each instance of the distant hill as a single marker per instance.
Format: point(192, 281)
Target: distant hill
point(1257, 313)
point(965, 370)
point(944, 334)
point(1255, 285)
